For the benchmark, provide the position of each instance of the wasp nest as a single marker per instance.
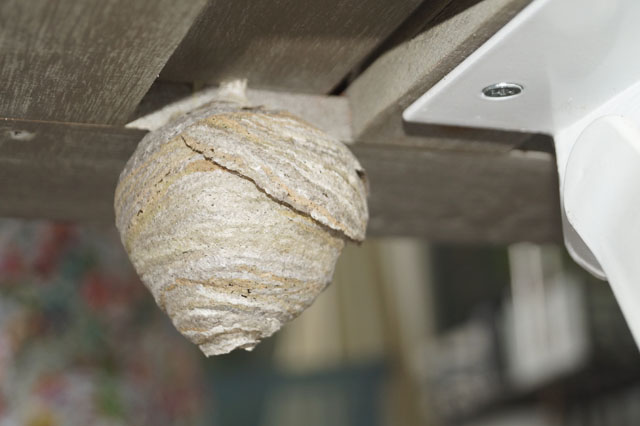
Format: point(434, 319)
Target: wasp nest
point(234, 218)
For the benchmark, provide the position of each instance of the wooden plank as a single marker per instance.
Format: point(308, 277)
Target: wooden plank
point(85, 61)
point(410, 67)
point(69, 171)
point(461, 197)
point(61, 171)
point(291, 45)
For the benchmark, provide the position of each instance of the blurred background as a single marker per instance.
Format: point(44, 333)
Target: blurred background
point(409, 333)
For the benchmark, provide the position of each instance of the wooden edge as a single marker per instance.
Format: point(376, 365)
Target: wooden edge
point(462, 197)
point(88, 61)
point(408, 69)
point(61, 171)
point(290, 45)
point(68, 172)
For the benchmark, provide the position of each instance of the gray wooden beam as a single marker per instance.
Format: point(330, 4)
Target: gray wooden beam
point(462, 197)
point(87, 61)
point(410, 67)
point(289, 45)
point(61, 171)
point(68, 172)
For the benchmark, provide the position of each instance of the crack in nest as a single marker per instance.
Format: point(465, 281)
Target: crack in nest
point(334, 232)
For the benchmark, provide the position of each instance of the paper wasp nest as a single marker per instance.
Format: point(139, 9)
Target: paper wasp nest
point(234, 218)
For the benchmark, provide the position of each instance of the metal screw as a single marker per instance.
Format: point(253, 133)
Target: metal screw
point(502, 90)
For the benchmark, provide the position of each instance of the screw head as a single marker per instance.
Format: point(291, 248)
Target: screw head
point(502, 90)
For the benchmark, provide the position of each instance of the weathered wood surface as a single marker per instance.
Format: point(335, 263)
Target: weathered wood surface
point(461, 197)
point(301, 46)
point(88, 61)
point(61, 171)
point(68, 172)
point(410, 67)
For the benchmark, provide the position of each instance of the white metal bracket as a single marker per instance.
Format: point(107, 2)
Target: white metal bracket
point(571, 69)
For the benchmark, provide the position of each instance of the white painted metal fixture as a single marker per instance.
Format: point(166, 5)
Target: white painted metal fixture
point(571, 69)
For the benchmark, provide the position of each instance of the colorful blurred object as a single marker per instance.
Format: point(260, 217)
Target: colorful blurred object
point(81, 341)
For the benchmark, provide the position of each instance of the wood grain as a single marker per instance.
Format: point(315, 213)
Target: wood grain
point(61, 171)
point(87, 61)
point(284, 44)
point(69, 172)
point(461, 197)
point(410, 67)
